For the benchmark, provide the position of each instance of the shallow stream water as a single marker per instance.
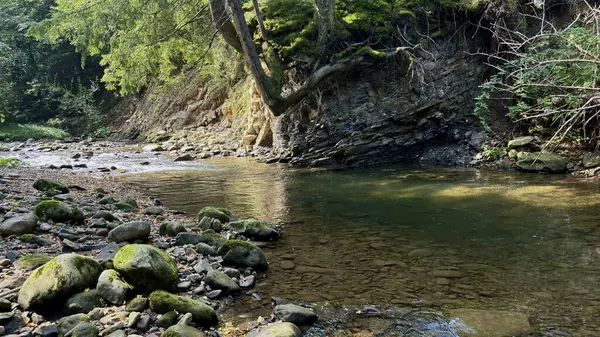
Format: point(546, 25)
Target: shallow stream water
point(450, 239)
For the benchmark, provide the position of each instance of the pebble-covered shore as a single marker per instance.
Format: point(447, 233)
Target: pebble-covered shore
point(85, 255)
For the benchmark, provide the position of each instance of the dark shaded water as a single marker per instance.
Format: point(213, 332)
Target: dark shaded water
point(441, 238)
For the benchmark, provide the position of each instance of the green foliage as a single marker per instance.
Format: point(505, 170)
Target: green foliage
point(22, 132)
point(39, 82)
point(550, 82)
point(10, 162)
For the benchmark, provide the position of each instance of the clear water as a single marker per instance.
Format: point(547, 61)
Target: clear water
point(523, 243)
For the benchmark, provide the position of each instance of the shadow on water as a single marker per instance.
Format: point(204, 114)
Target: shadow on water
point(435, 238)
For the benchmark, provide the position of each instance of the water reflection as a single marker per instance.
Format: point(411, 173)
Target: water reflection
point(405, 236)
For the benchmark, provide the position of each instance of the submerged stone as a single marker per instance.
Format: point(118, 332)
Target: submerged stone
point(492, 323)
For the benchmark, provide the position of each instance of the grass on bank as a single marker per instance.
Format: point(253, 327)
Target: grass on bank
point(10, 162)
point(22, 132)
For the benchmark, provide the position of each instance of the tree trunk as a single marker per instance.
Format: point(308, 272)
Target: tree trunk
point(265, 86)
point(261, 24)
point(325, 19)
point(223, 24)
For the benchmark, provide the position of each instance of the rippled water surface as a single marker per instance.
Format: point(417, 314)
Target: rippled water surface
point(437, 238)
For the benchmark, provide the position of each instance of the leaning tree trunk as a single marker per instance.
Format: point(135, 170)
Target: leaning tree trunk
point(223, 24)
point(325, 19)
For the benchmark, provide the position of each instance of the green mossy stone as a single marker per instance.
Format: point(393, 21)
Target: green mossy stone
point(215, 213)
point(137, 304)
point(83, 302)
point(125, 207)
point(45, 185)
point(283, 329)
point(171, 228)
point(243, 254)
point(146, 267)
point(162, 302)
point(541, 162)
point(58, 211)
point(67, 323)
point(31, 261)
point(180, 330)
point(57, 280)
point(212, 239)
point(167, 319)
point(30, 238)
point(591, 160)
point(254, 229)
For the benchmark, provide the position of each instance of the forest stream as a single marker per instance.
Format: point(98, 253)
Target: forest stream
point(504, 243)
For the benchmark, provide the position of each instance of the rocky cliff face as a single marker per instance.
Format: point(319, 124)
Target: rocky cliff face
point(373, 116)
point(376, 116)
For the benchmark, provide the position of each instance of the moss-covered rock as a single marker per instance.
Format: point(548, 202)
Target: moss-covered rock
point(57, 280)
point(222, 215)
point(591, 159)
point(30, 238)
point(180, 330)
point(125, 207)
point(58, 211)
point(67, 323)
point(46, 186)
point(541, 162)
point(83, 302)
point(219, 280)
point(171, 228)
point(112, 288)
point(254, 229)
point(167, 319)
point(146, 267)
point(162, 302)
point(243, 254)
point(212, 239)
point(85, 329)
point(129, 201)
point(31, 261)
point(137, 304)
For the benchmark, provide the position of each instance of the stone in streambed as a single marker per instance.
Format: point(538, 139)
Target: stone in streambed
point(146, 267)
point(541, 162)
point(137, 304)
point(212, 239)
point(219, 280)
point(162, 302)
point(167, 319)
point(284, 329)
point(130, 231)
point(295, 314)
point(591, 160)
point(186, 238)
point(67, 323)
point(180, 330)
point(46, 186)
point(56, 280)
point(210, 223)
point(254, 229)
point(19, 224)
point(243, 254)
point(83, 302)
point(58, 211)
point(171, 228)
point(493, 323)
point(112, 288)
point(84, 329)
point(32, 261)
point(221, 214)
point(520, 142)
point(206, 250)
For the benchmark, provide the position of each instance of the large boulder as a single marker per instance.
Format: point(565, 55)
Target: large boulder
point(146, 267)
point(162, 302)
point(50, 186)
point(219, 280)
point(254, 229)
point(180, 330)
point(295, 314)
point(541, 162)
point(283, 329)
point(220, 214)
point(130, 231)
point(19, 224)
point(112, 288)
point(56, 280)
point(58, 211)
point(243, 254)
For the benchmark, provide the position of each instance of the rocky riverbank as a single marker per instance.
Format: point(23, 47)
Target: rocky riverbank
point(84, 256)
